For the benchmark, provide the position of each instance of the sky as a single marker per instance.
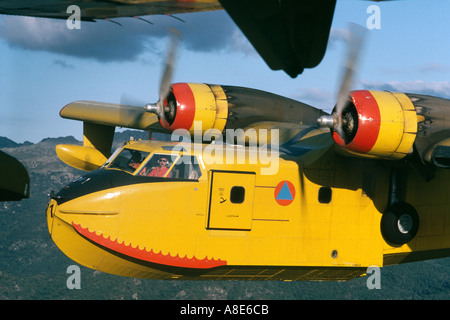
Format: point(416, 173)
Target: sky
point(45, 65)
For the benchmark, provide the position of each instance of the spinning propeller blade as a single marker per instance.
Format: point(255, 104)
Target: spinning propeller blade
point(166, 78)
point(336, 121)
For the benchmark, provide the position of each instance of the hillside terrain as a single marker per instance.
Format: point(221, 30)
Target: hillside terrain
point(32, 267)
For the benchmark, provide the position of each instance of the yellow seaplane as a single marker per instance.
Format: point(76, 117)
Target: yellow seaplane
point(255, 186)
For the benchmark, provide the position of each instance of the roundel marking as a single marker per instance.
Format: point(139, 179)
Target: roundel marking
point(284, 193)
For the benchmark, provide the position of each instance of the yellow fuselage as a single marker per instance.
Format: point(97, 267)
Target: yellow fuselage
point(233, 222)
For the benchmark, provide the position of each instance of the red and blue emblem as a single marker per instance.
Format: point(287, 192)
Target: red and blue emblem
point(284, 193)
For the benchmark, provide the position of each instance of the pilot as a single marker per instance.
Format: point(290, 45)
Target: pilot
point(161, 170)
point(135, 160)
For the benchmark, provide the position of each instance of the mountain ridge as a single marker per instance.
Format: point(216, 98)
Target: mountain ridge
point(8, 143)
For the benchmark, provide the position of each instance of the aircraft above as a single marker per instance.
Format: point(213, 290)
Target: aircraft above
point(290, 35)
point(15, 181)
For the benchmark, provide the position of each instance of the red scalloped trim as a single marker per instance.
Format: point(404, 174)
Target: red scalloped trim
point(150, 256)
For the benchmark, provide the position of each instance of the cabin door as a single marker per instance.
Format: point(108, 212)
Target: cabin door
point(231, 200)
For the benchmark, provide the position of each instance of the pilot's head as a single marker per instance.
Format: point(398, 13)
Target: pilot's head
point(163, 162)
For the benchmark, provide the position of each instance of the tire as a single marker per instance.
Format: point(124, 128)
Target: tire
point(400, 223)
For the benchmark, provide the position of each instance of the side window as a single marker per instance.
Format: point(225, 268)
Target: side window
point(187, 168)
point(128, 160)
point(237, 194)
point(325, 194)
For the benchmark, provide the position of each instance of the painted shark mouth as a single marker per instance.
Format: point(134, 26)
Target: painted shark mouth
point(148, 256)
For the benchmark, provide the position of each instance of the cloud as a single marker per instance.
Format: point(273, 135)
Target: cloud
point(63, 64)
point(347, 35)
point(433, 88)
point(241, 44)
point(433, 68)
point(316, 97)
point(105, 41)
point(338, 35)
point(430, 68)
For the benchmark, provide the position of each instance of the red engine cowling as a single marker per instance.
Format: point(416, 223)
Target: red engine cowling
point(377, 124)
point(191, 102)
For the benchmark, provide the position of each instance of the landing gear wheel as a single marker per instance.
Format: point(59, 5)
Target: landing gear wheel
point(400, 223)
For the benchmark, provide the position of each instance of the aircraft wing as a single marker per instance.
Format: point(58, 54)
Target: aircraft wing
point(192, 107)
point(93, 10)
point(433, 135)
point(99, 122)
point(110, 114)
point(14, 181)
point(290, 35)
point(305, 142)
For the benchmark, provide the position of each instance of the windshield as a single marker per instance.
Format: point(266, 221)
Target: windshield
point(160, 165)
point(128, 160)
point(157, 166)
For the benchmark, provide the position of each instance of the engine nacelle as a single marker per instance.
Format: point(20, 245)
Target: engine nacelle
point(377, 124)
point(228, 107)
point(190, 102)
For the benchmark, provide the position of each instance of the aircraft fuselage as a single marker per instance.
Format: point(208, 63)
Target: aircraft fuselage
point(232, 222)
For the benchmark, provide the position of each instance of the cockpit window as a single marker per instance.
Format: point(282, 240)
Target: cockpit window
point(128, 160)
point(187, 168)
point(171, 165)
point(157, 166)
point(160, 165)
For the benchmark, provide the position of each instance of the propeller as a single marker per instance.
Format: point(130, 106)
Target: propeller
point(164, 88)
point(129, 105)
point(342, 121)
